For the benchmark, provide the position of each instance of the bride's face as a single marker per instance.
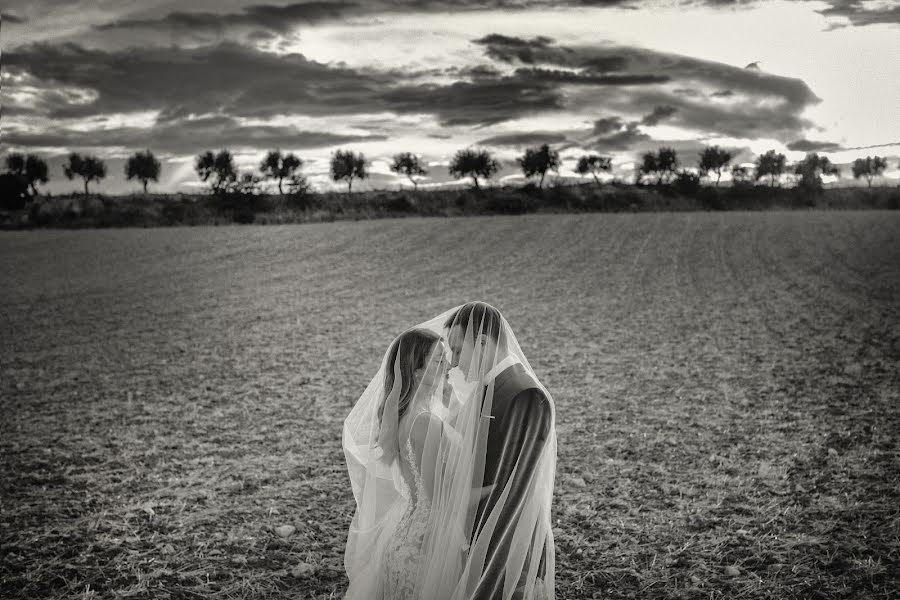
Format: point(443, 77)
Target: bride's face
point(435, 368)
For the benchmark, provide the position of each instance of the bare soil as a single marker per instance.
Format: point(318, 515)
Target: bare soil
point(727, 389)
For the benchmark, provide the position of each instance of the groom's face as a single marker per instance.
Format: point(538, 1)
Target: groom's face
point(462, 348)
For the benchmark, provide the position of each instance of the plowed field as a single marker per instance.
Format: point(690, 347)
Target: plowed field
point(727, 390)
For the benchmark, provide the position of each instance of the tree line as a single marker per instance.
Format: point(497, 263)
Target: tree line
point(772, 165)
point(25, 172)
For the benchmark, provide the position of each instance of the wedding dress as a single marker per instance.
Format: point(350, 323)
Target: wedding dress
point(403, 550)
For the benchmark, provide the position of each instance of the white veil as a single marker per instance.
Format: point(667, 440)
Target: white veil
point(482, 436)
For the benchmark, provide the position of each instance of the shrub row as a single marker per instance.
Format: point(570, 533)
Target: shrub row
point(75, 211)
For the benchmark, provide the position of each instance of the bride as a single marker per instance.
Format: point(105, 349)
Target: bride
point(418, 357)
point(451, 452)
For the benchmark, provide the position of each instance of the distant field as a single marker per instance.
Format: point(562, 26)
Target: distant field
point(727, 389)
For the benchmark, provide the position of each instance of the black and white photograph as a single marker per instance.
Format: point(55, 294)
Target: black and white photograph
point(450, 300)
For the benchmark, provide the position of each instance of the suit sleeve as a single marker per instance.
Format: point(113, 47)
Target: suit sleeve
point(525, 427)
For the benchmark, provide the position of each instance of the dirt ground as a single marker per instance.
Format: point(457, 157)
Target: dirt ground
point(727, 389)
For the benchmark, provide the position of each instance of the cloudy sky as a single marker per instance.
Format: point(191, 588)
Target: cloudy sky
point(618, 78)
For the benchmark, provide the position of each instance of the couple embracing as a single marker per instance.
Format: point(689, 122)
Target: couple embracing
point(451, 452)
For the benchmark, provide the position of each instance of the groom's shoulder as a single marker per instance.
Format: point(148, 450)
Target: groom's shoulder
point(516, 379)
point(524, 402)
point(517, 385)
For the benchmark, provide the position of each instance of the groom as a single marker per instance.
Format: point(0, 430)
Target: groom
point(519, 425)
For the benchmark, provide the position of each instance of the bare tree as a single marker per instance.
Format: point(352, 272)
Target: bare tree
point(407, 163)
point(89, 168)
point(772, 165)
point(349, 166)
point(537, 161)
point(220, 166)
point(667, 164)
point(593, 164)
point(144, 167)
point(810, 170)
point(280, 167)
point(714, 159)
point(664, 164)
point(31, 168)
point(869, 167)
point(473, 163)
point(648, 165)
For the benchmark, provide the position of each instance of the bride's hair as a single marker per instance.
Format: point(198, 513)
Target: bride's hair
point(481, 314)
point(410, 351)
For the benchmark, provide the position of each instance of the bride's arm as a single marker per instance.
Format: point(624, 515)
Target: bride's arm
point(425, 438)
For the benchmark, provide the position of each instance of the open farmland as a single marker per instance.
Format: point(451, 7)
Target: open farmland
point(727, 389)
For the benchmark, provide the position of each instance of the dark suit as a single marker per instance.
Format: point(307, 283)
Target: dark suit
point(516, 436)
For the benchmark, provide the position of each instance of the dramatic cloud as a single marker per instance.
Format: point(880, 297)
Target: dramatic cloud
point(543, 50)
point(476, 72)
point(747, 117)
point(481, 102)
point(68, 81)
point(810, 146)
point(184, 136)
point(860, 12)
point(607, 125)
point(660, 113)
point(745, 102)
point(227, 78)
point(509, 49)
point(258, 22)
point(657, 67)
point(239, 81)
point(519, 140)
point(615, 134)
point(709, 97)
point(564, 76)
point(147, 22)
point(626, 137)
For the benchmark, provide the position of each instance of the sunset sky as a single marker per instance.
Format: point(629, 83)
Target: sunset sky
point(387, 76)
